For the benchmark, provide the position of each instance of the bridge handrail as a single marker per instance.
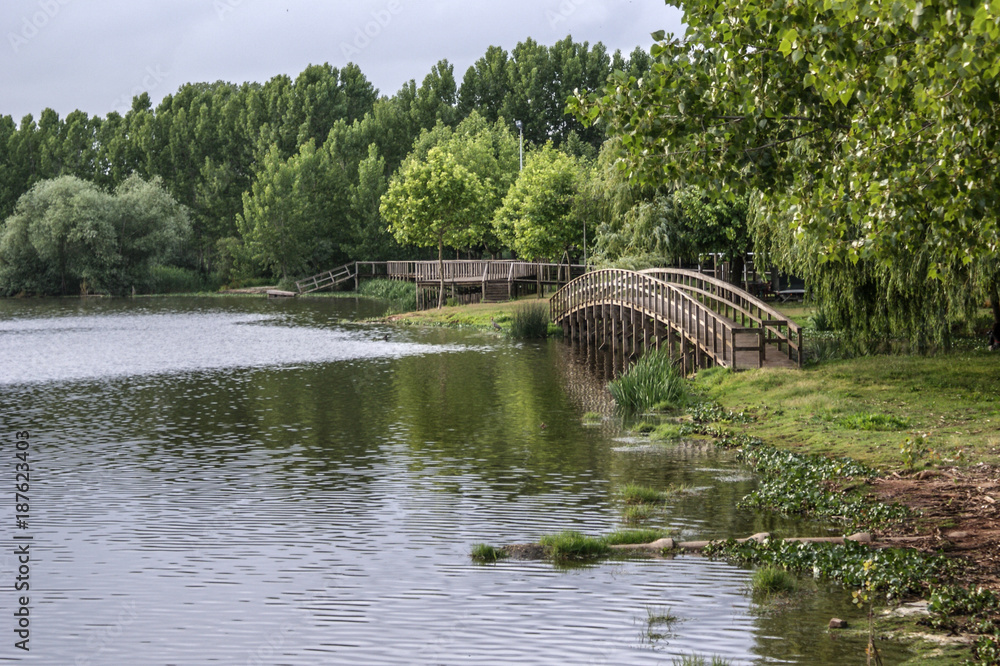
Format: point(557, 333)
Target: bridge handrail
point(730, 296)
point(649, 294)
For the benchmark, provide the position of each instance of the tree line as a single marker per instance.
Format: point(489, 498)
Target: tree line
point(280, 178)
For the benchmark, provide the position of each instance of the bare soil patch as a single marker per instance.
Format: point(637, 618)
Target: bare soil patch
point(960, 515)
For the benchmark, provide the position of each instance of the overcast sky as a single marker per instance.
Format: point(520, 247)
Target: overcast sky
point(95, 55)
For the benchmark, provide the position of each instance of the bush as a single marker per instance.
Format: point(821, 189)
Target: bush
point(530, 321)
point(651, 382)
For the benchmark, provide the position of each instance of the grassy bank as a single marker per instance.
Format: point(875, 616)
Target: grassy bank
point(478, 315)
point(891, 412)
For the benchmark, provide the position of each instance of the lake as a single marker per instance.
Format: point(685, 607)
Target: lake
point(237, 480)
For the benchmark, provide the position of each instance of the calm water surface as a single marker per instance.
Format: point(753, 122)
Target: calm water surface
point(249, 481)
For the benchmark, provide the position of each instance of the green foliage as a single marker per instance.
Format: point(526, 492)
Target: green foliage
point(633, 514)
point(540, 216)
point(892, 573)
point(436, 202)
point(176, 280)
point(68, 236)
point(865, 131)
point(697, 660)
point(913, 450)
point(634, 493)
point(621, 537)
point(572, 545)
point(770, 580)
point(401, 295)
point(482, 552)
point(651, 382)
point(795, 483)
point(289, 221)
point(530, 321)
point(873, 421)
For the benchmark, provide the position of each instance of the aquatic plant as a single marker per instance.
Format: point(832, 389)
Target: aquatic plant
point(637, 513)
point(401, 295)
point(770, 580)
point(647, 535)
point(651, 383)
point(482, 552)
point(697, 660)
point(530, 321)
point(572, 545)
point(892, 573)
point(633, 493)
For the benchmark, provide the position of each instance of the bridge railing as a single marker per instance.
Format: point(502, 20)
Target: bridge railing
point(712, 332)
point(739, 306)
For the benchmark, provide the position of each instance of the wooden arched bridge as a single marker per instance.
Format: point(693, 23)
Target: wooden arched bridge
point(703, 321)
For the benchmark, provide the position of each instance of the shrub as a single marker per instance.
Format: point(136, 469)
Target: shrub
point(530, 321)
point(651, 382)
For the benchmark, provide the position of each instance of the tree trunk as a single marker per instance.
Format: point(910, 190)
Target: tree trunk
point(441, 273)
point(995, 308)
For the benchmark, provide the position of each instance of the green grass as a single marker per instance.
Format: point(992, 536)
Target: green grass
point(771, 580)
point(668, 432)
point(482, 552)
point(572, 545)
point(878, 422)
point(697, 660)
point(401, 295)
point(843, 408)
point(634, 514)
point(622, 537)
point(633, 493)
point(651, 383)
point(530, 321)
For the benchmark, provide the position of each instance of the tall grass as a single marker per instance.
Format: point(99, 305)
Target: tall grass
point(572, 545)
point(399, 294)
point(652, 383)
point(530, 321)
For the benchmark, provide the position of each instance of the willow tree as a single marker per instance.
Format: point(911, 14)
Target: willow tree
point(867, 130)
point(436, 202)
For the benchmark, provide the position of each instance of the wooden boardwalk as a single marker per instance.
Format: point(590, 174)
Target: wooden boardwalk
point(702, 320)
point(466, 280)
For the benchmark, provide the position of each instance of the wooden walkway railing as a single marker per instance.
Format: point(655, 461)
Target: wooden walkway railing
point(631, 311)
point(469, 273)
point(738, 305)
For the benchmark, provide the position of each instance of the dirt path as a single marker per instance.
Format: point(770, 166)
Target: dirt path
point(961, 515)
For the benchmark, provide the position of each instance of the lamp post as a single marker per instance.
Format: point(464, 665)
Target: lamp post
point(520, 129)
